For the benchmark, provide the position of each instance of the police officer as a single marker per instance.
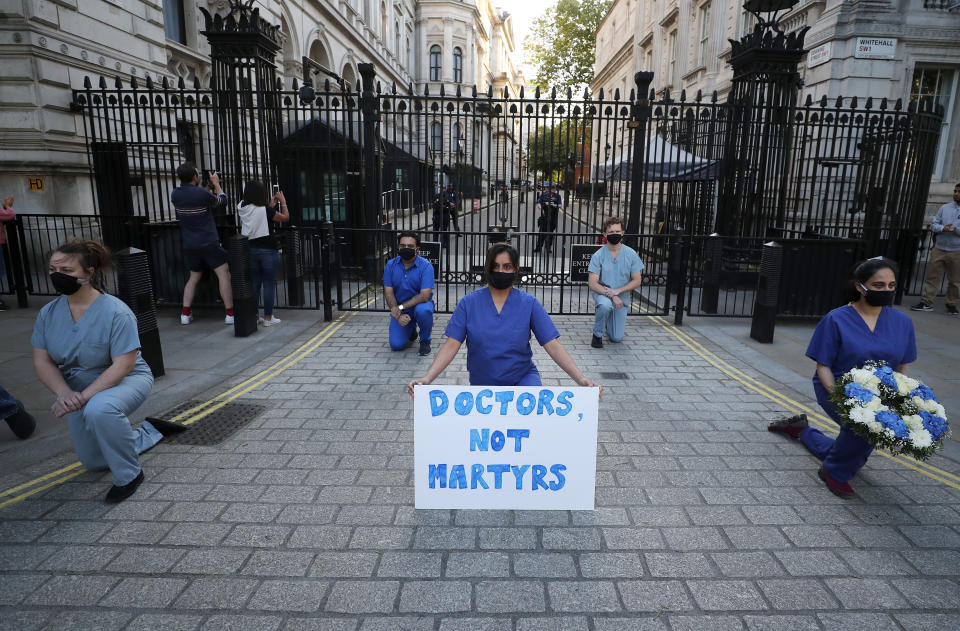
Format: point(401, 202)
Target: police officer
point(441, 217)
point(452, 201)
point(549, 202)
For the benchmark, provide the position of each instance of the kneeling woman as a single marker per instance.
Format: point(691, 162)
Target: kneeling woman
point(86, 350)
point(866, 329)
point(496, 323)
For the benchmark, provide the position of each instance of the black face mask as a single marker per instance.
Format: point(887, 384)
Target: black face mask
point(877, 298)
point(407, 254)
point(502, 280)
point(614, 239)
point(65, 283)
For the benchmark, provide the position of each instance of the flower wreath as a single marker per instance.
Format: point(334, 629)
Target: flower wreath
point(889, 409)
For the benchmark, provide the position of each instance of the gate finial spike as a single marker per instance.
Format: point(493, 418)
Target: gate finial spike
point(569, 93)
point(279, 84)
point(699, 96)
point(474, 93)
point(410, 89)
point(616, 94)
point(823, 101)
point(426, 90)
point(653, 95)
point(458, 91)
point(809, 101)
point(853, 103)
point(683, 95)
point(839, 102)
point(586, 94)
point(536, 93)
point(133, 82)
point(442, 91)
point(118, 82)
point(149, 82)
point(553, 93)
point(633, 94)
point(898, 105)
point(869, 104)
point(601, 94)
point(884, 104)
point(393, 87)
point(296, 84)
point(86, 82)
point(521, 91)
point(714, 96)
point(489, 91)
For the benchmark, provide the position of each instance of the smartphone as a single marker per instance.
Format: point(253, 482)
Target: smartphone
point(276, 189)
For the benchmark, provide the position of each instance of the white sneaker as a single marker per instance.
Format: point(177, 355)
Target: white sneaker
point(186, 319)
point(272, 321)
point(228, 319)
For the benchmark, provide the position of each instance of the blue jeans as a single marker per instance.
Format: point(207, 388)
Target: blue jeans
point(8, 405)
point(610, 318)
point(422, 318)
point(842, 457)
point(264, 264)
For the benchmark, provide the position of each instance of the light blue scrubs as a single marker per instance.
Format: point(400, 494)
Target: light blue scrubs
point(83, 350)
point(498, 344)
point(613, 272)
point(842, 340)
point(406, 283)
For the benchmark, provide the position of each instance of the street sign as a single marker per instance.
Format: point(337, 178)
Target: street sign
point(430, 250)
point(875, 48)
point(36, 183)
point(818, 55)
point(580, 254)
point(505, 448)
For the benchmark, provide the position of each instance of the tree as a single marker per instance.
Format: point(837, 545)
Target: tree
point(554, 150)
point(562, 44)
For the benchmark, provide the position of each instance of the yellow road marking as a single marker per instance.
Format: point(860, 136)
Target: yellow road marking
point(40, 479)
point(15, 499)
point(217, 402)
point(817, 418)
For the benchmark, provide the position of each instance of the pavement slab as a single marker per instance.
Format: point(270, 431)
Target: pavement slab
point(304, 519)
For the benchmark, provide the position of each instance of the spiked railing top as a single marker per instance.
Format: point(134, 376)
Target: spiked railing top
point(241, 17)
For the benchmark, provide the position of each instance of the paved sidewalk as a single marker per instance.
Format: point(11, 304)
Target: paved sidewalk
point(304, 519)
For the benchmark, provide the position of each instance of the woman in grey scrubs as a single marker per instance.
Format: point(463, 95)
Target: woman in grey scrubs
point(87, 352)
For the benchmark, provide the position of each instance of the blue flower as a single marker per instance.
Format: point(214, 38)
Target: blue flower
point(885, 375)
point(933, 424)
point(891, 421)
point(924, 393)
point(858, 392)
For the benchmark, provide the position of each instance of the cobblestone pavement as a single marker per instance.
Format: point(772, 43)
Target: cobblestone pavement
point(305, 519)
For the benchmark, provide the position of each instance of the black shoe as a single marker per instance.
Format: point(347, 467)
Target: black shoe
point(166, 427)
point(921, 306)
point(790, 426)
point(21, 422)
point(413, 336)
point(952, 310)
point(117, 494)
point(424, 348)
point(596, 342)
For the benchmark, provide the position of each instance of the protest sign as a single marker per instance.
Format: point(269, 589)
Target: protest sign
point(505, 447)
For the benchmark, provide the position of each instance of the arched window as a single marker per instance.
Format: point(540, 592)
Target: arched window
point(457, 65)
point(396, 38)
point(436, 136)
point(435, 63)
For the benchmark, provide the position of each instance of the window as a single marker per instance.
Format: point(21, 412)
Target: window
point(457, 65)
point(396, 39)
point(174, 21)
point(455, 138)
point(435, 63)
point(436, 136)
point(383, 23)
point(672, 62)
point(649, 59)
point(409, 58)
point(940, 86)
point(704, 18)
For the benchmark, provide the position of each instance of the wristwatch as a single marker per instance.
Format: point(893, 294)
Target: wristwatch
point(400, 307)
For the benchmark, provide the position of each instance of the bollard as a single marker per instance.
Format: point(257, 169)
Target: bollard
point(244, 302)
point(293, 264)
point(768, 293)
point(712, 262)
point(326, 261)
point(136, 290)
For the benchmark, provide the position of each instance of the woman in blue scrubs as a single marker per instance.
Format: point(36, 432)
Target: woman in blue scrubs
point(496, 323)
point(847, 337)
point(86, 350)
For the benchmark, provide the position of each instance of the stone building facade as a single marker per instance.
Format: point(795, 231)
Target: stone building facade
point(48, 47)
point(894, 49)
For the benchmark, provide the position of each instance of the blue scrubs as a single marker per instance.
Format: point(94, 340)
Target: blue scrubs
point(613, 272)
point(843, 341)
point(498, 344)
point(83, 350)
point(407, 283)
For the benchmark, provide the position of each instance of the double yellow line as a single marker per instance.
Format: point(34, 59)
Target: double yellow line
point(814, 416)
point(188, 417)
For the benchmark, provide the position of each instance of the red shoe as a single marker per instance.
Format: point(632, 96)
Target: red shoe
point(790, 426)
point(840, 489)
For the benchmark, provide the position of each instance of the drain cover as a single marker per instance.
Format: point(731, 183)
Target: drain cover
point(215, 427)
point(614, 375)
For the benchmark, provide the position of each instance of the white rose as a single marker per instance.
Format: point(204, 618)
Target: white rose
point(875, 405)
point(861, 415)
point(904, 383)
point(914, 422)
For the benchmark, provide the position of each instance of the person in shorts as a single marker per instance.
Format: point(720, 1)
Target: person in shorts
point(201, 243)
